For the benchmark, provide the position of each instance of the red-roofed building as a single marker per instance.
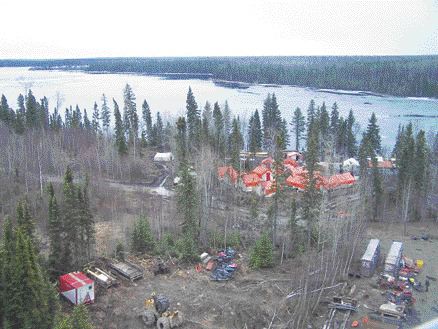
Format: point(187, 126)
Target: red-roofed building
point(297, 181)
point(263, 172)
point(77, 288)
point(250, 182)
point(301, 181)
point(298, 171)
point(221, 171)
point(233, 175)
point(339, 180)
point(228, 174)
point(290, 162)
point(268, 188)
point(268, 162)
point(385, 164)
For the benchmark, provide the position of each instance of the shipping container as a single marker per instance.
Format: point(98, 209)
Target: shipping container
point(370, 258)
point(393, 260)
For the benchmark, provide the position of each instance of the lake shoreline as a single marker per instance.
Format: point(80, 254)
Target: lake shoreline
point(234, 84)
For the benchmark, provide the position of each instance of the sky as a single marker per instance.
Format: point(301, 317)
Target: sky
point(98, 28)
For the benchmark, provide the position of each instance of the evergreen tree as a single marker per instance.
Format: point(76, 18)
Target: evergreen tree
point(142, 238)
point(87, 124)
point(298, 127)
point(105, 115)
point(55, 120)
point(219, 134)
point(20, 115)
point(227, 120)
point(96, 117)
point(334, 119)
point(324, 122)
point(421, 162)
point(55, 233)
point(31, 302)
point(24, 219)
point(44, 113)
point(255, 133)
point(32, 108)
point(193, 121)
point(311, 113)
point(68, 117)
point(235, 144)
point(351, 142)
point(188, 204)
point(119, 131)
point(76, 118)
point(79, 319)
point(87, 231)
point(373, 132)
point(341, 138)
point(311, 196)
point(262, 255)
point(147, 120)
point(4, 110)
point(400, 133)
point(272, 122)
point(207, 121)
point(158, 132)
point(71, 223)
point(406, 171)
point(283, 136)
point(181, 140)
point(131, 118)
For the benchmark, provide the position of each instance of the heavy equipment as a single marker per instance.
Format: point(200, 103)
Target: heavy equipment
point(156, 311)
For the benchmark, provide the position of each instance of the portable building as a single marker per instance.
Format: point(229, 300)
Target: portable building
point(77, 288)
point(370, 258)
point(163, 157)
point(393, 259)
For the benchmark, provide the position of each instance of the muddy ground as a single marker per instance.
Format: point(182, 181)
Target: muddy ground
point(252, 298)
point(370, 296)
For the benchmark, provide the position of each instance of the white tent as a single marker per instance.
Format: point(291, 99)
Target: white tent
point(163, 157)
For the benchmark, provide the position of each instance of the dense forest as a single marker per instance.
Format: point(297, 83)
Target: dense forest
point(394, 75)
point(51, 218)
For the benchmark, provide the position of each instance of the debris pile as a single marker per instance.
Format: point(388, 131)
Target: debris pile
point(222, 266)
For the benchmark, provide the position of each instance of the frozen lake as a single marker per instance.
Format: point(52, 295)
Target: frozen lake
point(168, 97)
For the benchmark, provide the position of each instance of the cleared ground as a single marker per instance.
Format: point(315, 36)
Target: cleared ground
point(252, 298)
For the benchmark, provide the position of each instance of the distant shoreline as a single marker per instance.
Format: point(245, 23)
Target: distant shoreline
point(232, 84)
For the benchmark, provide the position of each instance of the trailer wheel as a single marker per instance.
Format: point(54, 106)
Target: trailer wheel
point(163, 323)
point(148, 317)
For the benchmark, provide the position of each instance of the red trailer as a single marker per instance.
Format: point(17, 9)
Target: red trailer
point(77, 288)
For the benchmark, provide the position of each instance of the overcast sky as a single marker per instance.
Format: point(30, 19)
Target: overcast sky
point(96, 28)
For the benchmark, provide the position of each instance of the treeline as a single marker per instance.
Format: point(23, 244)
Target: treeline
point(31, 114)
point(394, 75)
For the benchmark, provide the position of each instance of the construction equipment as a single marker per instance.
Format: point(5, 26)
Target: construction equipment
point(156, 311)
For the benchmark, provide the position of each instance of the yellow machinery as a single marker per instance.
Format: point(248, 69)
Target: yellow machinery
point(156, 311)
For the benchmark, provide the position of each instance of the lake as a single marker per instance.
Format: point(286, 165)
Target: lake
point(168, 96)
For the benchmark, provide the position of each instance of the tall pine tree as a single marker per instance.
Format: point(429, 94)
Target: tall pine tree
point(119, 131)
point(298, 127)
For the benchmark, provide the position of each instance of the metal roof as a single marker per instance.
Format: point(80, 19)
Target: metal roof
point(394, 253)
point(371, 249)
point(74, 280)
